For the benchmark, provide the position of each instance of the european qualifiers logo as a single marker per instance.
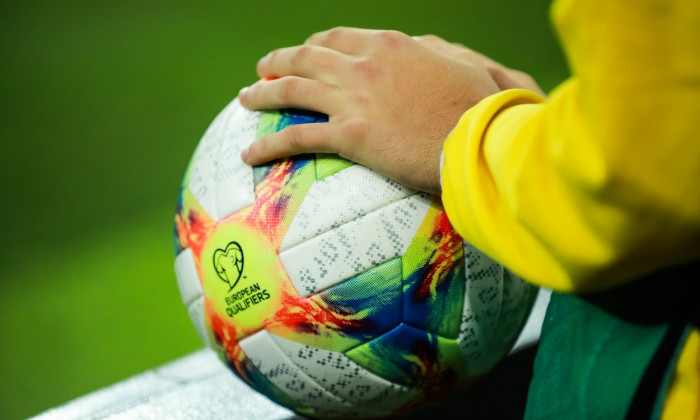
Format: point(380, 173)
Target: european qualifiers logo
point(228, 263)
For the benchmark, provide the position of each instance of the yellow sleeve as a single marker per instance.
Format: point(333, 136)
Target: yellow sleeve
point(682, 401)
point(601, 182)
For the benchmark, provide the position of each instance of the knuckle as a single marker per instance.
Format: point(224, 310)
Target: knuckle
point(313, 39)
point(366, 67)
point(461, 47)
point(469, 54)
point(522, 75)
point(356, 130)
point(390, 38)
point(290, 89)
point(430, 38)
point(295, 138)
point(335, 33)
point(496, 71)
point(300, 54)
point(327, 37)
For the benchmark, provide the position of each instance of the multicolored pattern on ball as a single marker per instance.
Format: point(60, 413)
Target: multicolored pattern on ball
point(329, 288)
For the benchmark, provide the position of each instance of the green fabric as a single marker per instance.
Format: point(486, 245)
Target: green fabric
point(589, 361)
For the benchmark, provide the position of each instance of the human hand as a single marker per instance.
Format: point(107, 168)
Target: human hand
point(391, 100)
point(505, 78)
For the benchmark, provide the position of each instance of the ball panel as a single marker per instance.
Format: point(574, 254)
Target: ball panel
point(434, 276)
point(274, 121)
point(329, 164)
point(271, 361)
point(196, 312)
point(233, 356)
point(518, 297)
point(344, 378)
point(201, 177)
point(192, 224)
point(279, 191)
point(413, 357)
point(234, 178)
point(482, 309)
point(242, 276)
point(347, 314)
point(187, 277)
point(339, 199)
point(354, 247)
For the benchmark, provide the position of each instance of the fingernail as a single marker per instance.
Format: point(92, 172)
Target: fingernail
point(244, 154)
point(242, 91)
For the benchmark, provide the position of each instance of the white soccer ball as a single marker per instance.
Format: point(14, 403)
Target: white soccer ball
point(329, 288)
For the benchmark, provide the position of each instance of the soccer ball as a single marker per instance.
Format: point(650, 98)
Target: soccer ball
point(329, 288)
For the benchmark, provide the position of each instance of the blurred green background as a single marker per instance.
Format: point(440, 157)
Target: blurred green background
point(102, 104)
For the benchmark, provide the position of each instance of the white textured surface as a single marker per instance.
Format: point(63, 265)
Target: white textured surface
point(354, 247)
point(234, 178)
point(272, 362)
point(219, 179)
point(482, 297)
point(339, 199)
point(187, 277)
point(342, 377)
point(517, 294)
point(191, 291)
point(196, 313)
point(197, 386)
point(202, 176)
point(489, 293)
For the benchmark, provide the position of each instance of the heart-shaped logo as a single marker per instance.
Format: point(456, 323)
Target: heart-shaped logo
point(228, 263)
